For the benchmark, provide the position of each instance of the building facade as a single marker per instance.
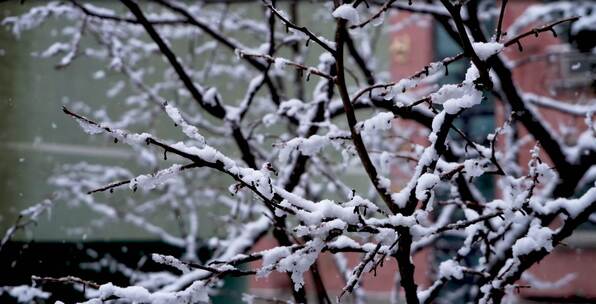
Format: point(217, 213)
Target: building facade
point(549, 67)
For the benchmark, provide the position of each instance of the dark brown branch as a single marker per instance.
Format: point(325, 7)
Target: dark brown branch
point(527, 260)
point(376, 15)
point(231, 272)
point(197, 162)
point(296, 51)
point(114, 18)
point(357, 272)
point(463, 224)
point(523, 114)
point(302, 29)
point(112, 186)
point(455, 11)
point(322, 295)
point(500, 23)
point(414, 9)
point(369, 167)
point(232, 45)
point(406, 266)
point(213, 108)
point(299, 166)
point(301, 67)
point(67, 280)
point(368, 74)
point(537, 30)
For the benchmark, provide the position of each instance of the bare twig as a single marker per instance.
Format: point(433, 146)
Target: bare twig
point(67, 280)
point(302, 29)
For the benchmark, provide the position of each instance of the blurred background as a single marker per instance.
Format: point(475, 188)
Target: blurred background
point(37, 140)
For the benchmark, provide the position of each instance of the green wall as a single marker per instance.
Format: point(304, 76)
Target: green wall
point(36, 137)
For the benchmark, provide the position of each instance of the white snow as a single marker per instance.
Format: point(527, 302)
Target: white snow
point(379, 122)
point(34, 211)
point(475, 167)
point(322, 206)
point(170, 261)
point(99, 74)
point(190, 130)
point(457, 97)
point(308, 146)
point(25, 293)
point(426, 183)
point(347, 12)
point(270, 258)
point(150, 181)
point(538, 238)
point(280, 63)
point(291, 107)
point(401, 220)
point(485, 50)
point(300, 261)
point(343, 241)
point(195, 293)
point(586, 22)
point(451, 269)
point(573, 207)
point(404, 85)
point(210, 96)
point(116, 89)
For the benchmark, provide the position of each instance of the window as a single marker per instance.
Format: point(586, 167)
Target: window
point(477, 122)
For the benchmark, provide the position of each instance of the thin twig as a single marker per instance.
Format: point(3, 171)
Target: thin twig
point(302, 29)
point(67, 280)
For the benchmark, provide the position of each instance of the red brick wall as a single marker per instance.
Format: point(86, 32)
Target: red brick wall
point(538, 77)
point(412, 49)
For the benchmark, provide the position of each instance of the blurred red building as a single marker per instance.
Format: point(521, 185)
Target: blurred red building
point(541, 69)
